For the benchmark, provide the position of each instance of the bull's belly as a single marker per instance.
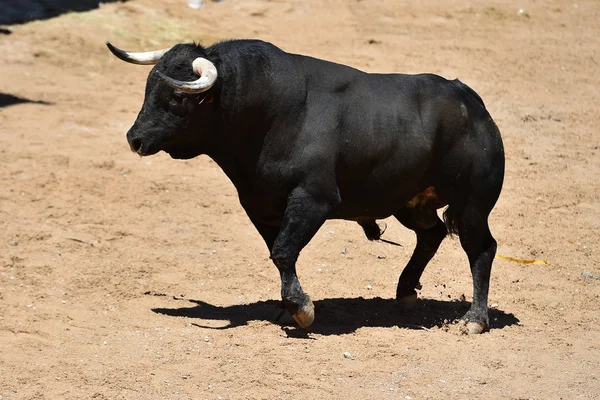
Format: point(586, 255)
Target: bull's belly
point(359, 212)
point(373, 205)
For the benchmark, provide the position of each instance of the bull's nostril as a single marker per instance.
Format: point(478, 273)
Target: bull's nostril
point(135, 144)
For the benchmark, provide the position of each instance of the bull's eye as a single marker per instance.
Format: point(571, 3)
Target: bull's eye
point(178, 96)
point(176, 107)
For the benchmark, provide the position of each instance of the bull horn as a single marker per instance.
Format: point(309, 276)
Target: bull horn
point(143, 58)
point(202, 67)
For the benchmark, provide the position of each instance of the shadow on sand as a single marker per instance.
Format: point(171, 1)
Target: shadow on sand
point(10, 100)
point(20, 11)
point(341, 315)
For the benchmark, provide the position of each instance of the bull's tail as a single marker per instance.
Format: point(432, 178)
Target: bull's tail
point(451, 221)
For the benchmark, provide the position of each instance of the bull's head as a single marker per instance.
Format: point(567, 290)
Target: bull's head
point(174, 115)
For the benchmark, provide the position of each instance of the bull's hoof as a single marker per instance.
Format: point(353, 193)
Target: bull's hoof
point(408, 301)
point(470, 327)
point(305, 315)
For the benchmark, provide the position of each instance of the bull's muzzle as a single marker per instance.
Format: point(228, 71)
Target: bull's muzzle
point(135, 144)
point(143, 146)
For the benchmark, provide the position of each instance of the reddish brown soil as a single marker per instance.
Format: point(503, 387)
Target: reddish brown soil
point(129, 278)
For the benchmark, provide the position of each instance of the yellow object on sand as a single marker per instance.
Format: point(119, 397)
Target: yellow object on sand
point(521, 261)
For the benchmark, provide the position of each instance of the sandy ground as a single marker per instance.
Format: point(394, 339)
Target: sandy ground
point(142, 278)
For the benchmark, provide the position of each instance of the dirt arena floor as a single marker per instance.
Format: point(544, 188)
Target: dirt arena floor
point(142, 278)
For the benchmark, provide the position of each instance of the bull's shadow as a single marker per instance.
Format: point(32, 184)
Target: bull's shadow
point(21, 11)
point(7, 99)
point(340, 315)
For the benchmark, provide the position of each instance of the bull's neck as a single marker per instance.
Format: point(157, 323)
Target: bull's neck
point(240, 129)
point(237, 158)
point(242, 115)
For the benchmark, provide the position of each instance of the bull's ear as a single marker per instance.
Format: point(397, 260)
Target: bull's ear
point(207, 99)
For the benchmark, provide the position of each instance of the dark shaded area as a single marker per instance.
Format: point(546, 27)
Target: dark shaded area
point(10, 100)
point(20, 11)
point(4, 31)
point(340, 315)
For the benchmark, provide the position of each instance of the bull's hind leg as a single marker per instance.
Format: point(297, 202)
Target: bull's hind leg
point(430, 232)
point(468, 215)
point(477, 241)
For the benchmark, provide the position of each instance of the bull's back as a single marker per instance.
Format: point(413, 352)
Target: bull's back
point(401, 134)
point(388, 136)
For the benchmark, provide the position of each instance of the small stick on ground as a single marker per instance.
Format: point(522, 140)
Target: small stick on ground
point(588, 275)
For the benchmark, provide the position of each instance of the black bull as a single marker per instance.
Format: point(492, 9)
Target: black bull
point(305, 140)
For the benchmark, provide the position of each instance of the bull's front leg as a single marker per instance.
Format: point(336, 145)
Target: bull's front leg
point(307, 209)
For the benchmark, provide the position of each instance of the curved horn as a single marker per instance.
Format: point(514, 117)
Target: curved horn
point(201, 66)
point(143, 58)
